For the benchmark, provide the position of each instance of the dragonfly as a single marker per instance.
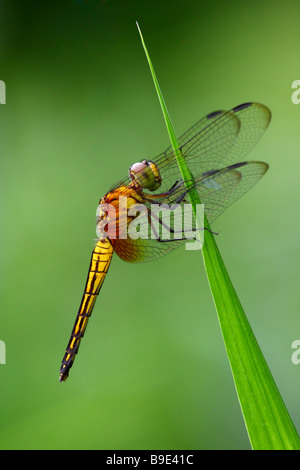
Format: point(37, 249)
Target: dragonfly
point(214, 150)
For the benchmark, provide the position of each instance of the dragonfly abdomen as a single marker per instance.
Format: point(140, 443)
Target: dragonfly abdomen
point(100, 261)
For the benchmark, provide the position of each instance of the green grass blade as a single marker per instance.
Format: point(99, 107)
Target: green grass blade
point(184, 170)
point(166, 115)
point(267, 420)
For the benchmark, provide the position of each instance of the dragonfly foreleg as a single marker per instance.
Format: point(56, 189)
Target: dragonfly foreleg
point(172, 231)
point(153, 198)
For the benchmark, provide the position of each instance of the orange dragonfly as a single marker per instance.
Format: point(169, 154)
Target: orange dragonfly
point(211, 149)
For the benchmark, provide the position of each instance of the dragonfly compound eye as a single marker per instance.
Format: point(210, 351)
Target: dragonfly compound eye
point(146, 174)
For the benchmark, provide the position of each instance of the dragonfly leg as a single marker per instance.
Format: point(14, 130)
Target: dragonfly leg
point(171, 230)
point(176, 185)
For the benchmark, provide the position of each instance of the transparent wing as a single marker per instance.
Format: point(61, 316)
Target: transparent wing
point(195, 129)
point(218, 189)
point(212, 148)
point(226, 138)
point(219, 139)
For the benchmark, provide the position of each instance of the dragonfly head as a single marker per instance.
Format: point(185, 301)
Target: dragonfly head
point(145, 174)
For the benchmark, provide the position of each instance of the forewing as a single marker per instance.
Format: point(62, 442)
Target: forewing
point(212, 149)
point(225, 130)
point(227, 138)
point(219, 190)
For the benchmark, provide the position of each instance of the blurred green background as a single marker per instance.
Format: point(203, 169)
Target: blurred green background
point(152, 371)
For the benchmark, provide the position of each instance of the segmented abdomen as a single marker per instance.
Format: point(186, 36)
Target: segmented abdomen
point(100, 261)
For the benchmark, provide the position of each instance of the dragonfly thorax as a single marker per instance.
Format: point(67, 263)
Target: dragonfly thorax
point(145, 174)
